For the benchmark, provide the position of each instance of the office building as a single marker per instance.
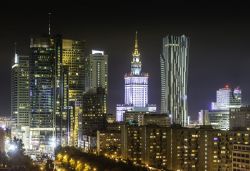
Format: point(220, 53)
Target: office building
point(241, 157)
point(20, 91)
point(42, 93)
point(96, 70)
point(73, 59)
point(174, 78)
point(73, 62)
point(6, 122)
point(218, 119)
point(203, 117)
point(94, 113)
point(56, 85)
point(240, 118)
point(136, 88)
point(218, 115)
point(227, 98)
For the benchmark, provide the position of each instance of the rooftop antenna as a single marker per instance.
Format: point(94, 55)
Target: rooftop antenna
point(15, 47)
point(49, 22)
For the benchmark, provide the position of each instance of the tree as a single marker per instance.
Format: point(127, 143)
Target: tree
point(3, 160)
point(17, 159)
point(17, 148)
point(49, 165)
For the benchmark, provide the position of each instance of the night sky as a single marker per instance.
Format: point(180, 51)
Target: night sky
point(219, 42)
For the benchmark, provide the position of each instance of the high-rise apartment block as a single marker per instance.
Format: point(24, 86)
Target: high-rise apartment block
point(174, 78)
point(241, 157)
point(178, 148)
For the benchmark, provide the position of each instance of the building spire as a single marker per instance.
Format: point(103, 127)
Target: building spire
point(136, 51)
point(49, 22)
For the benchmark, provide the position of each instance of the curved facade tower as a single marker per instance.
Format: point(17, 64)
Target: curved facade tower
point(136, 88)
point(174, 78)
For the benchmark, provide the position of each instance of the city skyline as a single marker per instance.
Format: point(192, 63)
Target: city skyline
point(204, 75)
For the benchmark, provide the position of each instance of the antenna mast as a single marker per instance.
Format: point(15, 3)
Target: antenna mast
point(49, 22)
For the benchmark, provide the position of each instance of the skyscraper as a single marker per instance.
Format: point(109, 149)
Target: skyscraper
point(174, 78)
point(73, 58)
point(57, 85)
point(42, 92)
point(136, 88)
point(20, 104)
point(96, 70)
point(73, 61)
point(136, 82)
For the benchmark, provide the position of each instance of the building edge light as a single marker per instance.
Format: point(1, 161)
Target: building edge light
point(97, 52)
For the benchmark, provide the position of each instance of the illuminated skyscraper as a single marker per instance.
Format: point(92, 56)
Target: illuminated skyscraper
point(136, 88)
point(73, 61)
point(20, 104)
point(42, 92)
point(73, 58)
point(174, 78)
point(57, 85)
point(96, 70)
point(96, 73)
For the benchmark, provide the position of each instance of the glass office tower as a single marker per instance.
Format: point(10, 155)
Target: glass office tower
point(20, 104)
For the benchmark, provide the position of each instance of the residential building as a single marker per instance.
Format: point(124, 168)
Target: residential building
point(241, 157)
point(109, 143)
point(174, 78)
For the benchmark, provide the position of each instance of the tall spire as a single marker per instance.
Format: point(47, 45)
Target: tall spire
point(136, 51)
point(49, 22)
point(136, 62)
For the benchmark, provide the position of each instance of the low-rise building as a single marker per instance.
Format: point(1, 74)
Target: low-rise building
point(240, 118)
point(109, 143)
